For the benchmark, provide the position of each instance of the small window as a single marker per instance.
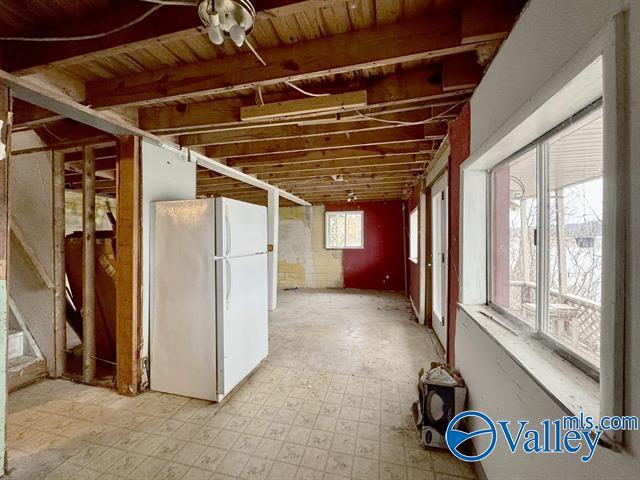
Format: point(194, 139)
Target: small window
point(344, 229)
point(413, 235)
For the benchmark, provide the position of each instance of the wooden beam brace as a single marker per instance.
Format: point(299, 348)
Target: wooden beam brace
point(418, 39)
point(218, 167)
point(49, 99)
point(88, 268)
point(129, 281)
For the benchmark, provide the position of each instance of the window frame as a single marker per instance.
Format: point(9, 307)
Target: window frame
point(415, 211)
point(328, 214)
point(541, 147)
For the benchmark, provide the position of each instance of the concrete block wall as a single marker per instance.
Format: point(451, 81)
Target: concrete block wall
point(302, 259)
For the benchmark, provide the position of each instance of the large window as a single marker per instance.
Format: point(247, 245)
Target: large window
point(413, 235)
point(344, 229)
point(546, 235)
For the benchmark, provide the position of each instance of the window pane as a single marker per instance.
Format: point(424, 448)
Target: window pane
point(413, 235)
point(336, 230)
point(354, 230)
point(515, 213)
point(575, 244)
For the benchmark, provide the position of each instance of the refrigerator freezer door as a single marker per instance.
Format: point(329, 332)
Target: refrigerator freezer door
point(183, 286)
point(242, 318)
point(241, 228)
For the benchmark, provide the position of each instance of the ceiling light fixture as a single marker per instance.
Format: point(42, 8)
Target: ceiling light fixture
point(234, 18)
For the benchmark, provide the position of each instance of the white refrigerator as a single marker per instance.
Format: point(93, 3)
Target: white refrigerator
point(209, 314)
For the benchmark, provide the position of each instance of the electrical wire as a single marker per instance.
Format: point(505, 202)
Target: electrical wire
point(255, 52)
point(295, 87)
point(419, 122)
point(304, 92)
point(84, 37)
point(179, 3)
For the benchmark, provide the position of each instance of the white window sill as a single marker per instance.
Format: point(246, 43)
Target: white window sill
point(572, 389)
point(414, 260)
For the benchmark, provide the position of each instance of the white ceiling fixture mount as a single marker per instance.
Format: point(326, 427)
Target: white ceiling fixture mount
point(234, 18)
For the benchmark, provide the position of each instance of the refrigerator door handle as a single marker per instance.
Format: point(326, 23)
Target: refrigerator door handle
point(228, 284)
point(226, 220)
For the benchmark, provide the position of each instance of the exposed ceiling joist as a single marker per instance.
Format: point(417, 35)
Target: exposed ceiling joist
point(417, 133)
point(273, 177)
point(407, 88)
point(280, 132)
point(430, 37)
point(166, 24)
point(335, 154)
point(305, 106)
point(322, 167)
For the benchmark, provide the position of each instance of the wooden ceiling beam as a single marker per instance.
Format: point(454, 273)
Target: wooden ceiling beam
point(335, 154)
point(461, 71)
point(101, 153)
point(362, 180)
point(333, 164)
point(319, 199)
point(369, 186)
point(280, 132)
point(167, 24)
point(422, 38)
point(322, 182)
point(422, 85)
point(415, 133)
point(274, 177)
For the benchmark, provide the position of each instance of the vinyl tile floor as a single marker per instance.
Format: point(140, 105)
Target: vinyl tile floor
point(332, 401)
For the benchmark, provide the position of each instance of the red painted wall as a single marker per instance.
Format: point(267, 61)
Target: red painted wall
point(382, 254)
point(460, 140)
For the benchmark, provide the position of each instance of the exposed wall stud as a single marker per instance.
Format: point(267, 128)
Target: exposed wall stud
point(88, 265)
point(5, 148)
point(59, 296)
point(128, 283)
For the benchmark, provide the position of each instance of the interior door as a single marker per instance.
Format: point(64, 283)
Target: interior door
point(242, 228)
point(439, 255)
point(242, 318)
point(183, 314)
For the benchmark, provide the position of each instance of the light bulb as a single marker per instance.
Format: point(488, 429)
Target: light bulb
point(237, 35)
point(215, 34)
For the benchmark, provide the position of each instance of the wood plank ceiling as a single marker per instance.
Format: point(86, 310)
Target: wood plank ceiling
point(417, 61)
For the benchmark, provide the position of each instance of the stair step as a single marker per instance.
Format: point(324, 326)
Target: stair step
point(15, 344)
point(23, 370)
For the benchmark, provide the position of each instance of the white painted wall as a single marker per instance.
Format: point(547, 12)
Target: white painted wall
point(30, 178)
point(549, 37)
point(167, 174)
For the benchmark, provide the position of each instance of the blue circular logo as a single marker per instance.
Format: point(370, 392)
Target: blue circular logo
point(455, 437)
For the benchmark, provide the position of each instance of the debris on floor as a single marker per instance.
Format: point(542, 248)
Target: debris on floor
point(441, 396)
